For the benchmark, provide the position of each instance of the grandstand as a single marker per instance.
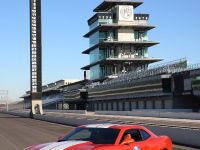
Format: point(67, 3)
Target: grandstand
point(75, 95)
point(51, 94)
point(172, 85)
point(170, 67)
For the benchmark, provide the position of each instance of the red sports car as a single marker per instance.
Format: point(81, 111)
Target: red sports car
point(108, 137)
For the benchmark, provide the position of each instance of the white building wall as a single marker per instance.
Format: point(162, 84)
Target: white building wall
point(125, 35)
point(140, 22)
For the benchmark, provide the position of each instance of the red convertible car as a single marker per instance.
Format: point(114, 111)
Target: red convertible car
point(108, 137)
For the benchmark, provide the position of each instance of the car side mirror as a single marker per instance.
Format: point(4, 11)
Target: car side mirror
point(127, 140)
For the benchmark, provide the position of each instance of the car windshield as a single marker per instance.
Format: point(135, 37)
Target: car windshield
point(94, 135)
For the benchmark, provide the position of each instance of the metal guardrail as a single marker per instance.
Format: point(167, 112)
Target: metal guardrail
point(168, 63)
point(111, 39)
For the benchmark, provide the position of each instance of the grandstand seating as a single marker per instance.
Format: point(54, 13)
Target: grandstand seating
point(145, 75)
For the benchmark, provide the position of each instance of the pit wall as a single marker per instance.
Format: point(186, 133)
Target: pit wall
point(174, 113)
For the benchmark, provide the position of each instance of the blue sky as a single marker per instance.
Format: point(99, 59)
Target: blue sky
point(64, 24)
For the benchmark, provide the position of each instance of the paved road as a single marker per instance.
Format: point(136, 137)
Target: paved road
point(16, 133)
point(181, 123)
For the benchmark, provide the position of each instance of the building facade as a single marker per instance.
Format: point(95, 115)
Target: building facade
point(118, 39)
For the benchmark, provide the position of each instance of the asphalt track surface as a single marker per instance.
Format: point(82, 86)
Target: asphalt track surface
point(16, 133)
point(181, 123)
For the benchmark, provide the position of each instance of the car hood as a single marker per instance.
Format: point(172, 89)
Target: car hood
point(68, 145)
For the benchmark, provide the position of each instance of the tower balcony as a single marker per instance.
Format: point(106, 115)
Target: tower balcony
point(115, 26)
point(115, 43)
point(114, 65)
point(116, 60)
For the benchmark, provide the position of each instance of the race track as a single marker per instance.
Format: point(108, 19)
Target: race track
point(16, 133)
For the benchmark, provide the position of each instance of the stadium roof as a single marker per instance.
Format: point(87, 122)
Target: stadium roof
point(107, 4)
point(25, 95)
point(82, 82)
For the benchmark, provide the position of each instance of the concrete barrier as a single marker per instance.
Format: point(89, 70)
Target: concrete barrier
point(67, 111)
point(140, 113)
point(158, 114)
point(18, 113)
point(178, 135)
point(180, 115)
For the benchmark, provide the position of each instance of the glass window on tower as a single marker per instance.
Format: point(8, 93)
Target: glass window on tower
point(107, 70)
point(140, 36)
point(94, 39)
point(94, 55)
point(105, 21)
point(95, 72)
point(101, 21)
point(146, 55)
point(102, 36)
point(144, 36)
point(101, 53)
point(94, 25)
point(106, 36)
point(141, 52)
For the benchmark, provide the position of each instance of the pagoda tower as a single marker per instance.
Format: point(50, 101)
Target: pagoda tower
point(118, 40)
